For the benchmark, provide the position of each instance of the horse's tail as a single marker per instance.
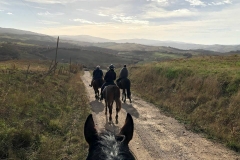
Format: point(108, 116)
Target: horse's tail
point(128, 86)
point(117, 98)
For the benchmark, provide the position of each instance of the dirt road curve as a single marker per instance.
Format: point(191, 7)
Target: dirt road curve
point(157, 136)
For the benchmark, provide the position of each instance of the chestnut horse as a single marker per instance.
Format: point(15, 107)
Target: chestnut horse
point(111, 93)
point(106, 145)
point(125, 84)
point(96, 85)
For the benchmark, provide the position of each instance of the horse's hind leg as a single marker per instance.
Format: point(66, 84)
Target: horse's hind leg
point(124, 96)
point(118, 108)
point(110, 111)
point(116, 117)
point(97, 94)
point(129, 97)
point(106, 105)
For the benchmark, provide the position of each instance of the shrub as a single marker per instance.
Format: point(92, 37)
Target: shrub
point(22, 139)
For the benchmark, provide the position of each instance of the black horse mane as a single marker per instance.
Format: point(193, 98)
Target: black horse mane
point(110, 147)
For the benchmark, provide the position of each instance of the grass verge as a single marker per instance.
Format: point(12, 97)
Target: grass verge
point(41, 117)
point(202, 92)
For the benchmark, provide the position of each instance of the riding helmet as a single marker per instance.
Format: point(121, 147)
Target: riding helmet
point(111, 66)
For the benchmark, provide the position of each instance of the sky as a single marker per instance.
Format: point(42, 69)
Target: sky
point(192, 21)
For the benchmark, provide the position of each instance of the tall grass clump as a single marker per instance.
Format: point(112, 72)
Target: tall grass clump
point(41, 117)
point(202, 92)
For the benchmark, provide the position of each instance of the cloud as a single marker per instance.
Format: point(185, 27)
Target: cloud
point(9, 13)
point(4, 2)
point(153, 12)
point(1, 10)
point(83, 10)
point(38, 7)
point(47, 22)
point(52, 1)
point(160, 2)
point(103, 15)
point(86, 21)
point(196, 3)
point(128, 19)
point(220, 3)
point(213, 3)
point(50, 14)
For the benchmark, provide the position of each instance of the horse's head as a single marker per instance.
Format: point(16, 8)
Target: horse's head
point(106, 145)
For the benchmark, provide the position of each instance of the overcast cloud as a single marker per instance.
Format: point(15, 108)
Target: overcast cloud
point(195, 21)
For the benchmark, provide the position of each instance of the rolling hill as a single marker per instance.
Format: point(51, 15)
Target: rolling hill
point(86, 40)
point(33, 45)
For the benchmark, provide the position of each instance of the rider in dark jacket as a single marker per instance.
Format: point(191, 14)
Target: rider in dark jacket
point(97, 74)
point(109, 78)
point(123, 73)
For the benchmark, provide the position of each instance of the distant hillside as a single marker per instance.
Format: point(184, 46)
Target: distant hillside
point(17, 31)
point(88, 58)
point(173, 44)
point(182, 45)
point(25, 37)
point(128, 47)
point(85, 38)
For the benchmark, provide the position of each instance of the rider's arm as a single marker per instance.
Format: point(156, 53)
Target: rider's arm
point(114, 77)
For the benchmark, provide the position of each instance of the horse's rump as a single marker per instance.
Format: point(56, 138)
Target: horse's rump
point(124, 83)
point(97, 83)
point(111, 92)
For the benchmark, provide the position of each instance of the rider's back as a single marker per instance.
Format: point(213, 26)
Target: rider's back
point(110, 76)
point(123, 73)
point(97, 74)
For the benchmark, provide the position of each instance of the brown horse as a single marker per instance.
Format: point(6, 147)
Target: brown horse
point(106, 145)
point(111, 93)
point(96, 85)
point(125, 84)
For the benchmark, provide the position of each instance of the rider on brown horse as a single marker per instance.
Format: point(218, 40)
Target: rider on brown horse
point(123, 73)
point(97, 74)
point(109, 78)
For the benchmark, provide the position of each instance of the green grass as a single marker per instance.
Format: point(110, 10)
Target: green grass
point(202, 92)
point(41, 118)
point(26, 44)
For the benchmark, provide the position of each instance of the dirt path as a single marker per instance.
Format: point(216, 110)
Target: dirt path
point(157, 136)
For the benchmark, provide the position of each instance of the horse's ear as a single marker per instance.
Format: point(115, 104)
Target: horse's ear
point(120, 138)
point(127, 129)
point(90, 131)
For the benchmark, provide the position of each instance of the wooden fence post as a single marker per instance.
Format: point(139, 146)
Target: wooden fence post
point(70, 66)
point(27, 70)
point(56, 56)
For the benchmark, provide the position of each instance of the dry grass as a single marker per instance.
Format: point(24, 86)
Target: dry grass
point(41, 118)
point(203, 92)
